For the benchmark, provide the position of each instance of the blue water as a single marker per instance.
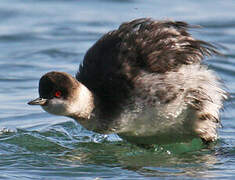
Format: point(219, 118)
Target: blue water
point(37, 36)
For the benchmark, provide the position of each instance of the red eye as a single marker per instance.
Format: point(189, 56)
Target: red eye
point(58, 94)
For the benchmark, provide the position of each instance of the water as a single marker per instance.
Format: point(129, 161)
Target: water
point(37, 36)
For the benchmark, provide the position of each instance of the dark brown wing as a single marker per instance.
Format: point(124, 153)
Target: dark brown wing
point(161, 45)
point(102, 73)
point(112, 64)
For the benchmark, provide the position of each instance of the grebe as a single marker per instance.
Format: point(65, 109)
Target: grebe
point(144, 81)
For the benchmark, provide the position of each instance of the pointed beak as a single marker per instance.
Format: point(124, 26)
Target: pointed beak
point(38, 101)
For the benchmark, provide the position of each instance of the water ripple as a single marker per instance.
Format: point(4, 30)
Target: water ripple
point(19, 37)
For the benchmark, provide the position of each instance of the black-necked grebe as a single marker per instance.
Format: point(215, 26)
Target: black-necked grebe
point(144, 81)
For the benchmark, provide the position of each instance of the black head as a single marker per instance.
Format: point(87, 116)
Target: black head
point(61, 94)
point(57, 84)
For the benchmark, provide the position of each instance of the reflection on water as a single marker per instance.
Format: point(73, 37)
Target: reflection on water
point(62, 146)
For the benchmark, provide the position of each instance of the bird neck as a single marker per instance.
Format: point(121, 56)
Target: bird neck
point(83, 104)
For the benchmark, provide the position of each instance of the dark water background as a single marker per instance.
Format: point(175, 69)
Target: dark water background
point(37, 36)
